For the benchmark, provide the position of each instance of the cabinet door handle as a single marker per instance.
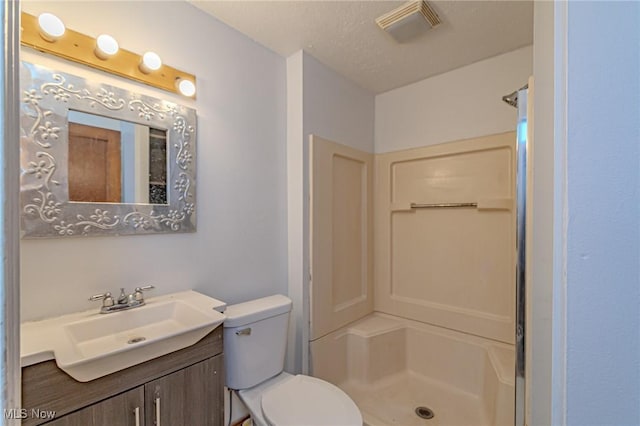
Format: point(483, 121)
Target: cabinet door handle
point(136, 412)
point(157, 403)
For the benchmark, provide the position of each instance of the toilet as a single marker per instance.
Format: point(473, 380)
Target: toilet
point(255, 340)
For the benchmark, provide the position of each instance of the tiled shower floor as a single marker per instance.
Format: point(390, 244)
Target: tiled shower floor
point(392, 401)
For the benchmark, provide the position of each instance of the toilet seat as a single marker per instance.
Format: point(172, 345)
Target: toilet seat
point(304, 400)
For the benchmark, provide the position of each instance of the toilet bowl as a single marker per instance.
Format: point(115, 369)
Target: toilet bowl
point(255, 338)
point(288, 400)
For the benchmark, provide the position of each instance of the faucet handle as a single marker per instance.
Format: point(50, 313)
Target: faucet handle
point(145, 288)
point(138, 292)
point(106, 298)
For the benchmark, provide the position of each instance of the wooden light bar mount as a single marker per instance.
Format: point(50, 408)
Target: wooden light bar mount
point(80, 48)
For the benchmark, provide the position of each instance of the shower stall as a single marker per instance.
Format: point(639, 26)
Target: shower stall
point(417, 278)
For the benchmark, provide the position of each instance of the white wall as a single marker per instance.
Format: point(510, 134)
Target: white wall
point(603, 222)
point(239, 250)
point(544, 245)
point(321, 102)
point(460, 104)
point(297, 218)
point(335, 108)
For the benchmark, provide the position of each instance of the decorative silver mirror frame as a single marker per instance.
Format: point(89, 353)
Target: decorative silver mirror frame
point(46, 212)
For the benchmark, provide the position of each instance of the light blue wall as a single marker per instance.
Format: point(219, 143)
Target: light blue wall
point(603, 234)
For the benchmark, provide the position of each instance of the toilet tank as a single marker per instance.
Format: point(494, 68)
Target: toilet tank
point(255, 340)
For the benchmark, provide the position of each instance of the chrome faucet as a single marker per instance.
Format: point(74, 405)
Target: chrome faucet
point(124, 301)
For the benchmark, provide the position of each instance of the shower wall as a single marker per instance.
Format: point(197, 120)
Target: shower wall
point(370, 250)
point(436, 328)
point(341, 223)
point(451, 267)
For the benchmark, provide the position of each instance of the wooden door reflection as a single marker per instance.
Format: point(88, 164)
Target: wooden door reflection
point(95, 165)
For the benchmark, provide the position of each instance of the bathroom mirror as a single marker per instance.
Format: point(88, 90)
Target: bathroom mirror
point(100, 160)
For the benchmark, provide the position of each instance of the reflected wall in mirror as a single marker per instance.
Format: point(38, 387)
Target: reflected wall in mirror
point(116, 161)
point(99, 160)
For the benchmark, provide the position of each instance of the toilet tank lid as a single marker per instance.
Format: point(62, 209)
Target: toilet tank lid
point(256, 310)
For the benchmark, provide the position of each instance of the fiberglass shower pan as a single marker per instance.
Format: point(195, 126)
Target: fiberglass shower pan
point(391, 366)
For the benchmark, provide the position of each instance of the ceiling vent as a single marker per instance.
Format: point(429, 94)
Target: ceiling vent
point(409, 20)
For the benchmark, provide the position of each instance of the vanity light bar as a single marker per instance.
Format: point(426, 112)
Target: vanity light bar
point(81, 48)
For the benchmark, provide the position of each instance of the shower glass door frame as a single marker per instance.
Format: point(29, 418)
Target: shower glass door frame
point(521, 223)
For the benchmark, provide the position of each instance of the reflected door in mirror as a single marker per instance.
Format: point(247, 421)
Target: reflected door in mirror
point(95, 167)
point(116, 161)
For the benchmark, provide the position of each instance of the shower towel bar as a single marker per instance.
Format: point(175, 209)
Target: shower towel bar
point(442, 205)
point(488, 204)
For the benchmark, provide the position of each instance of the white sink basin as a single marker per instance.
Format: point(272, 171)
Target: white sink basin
point(89, 345)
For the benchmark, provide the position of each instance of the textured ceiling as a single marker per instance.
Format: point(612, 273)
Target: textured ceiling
point(344, 36)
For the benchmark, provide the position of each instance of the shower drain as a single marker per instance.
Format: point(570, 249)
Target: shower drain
point(424, 413)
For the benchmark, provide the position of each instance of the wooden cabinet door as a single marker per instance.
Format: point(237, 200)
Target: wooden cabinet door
point(192, 396)
point(119, 410)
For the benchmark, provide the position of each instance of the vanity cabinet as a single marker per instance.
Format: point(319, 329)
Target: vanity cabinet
point(118, 410)
point(183, 398)
point(183, 388)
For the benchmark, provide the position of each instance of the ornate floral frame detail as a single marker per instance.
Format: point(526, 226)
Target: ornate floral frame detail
point(46, 212)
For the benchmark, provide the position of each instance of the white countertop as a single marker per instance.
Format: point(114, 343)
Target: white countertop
point(38, 339)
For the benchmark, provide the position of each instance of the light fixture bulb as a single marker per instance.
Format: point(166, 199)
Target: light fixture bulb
point(51, 27)
point(106, 46)
point(150, 62)
point(186, 87)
